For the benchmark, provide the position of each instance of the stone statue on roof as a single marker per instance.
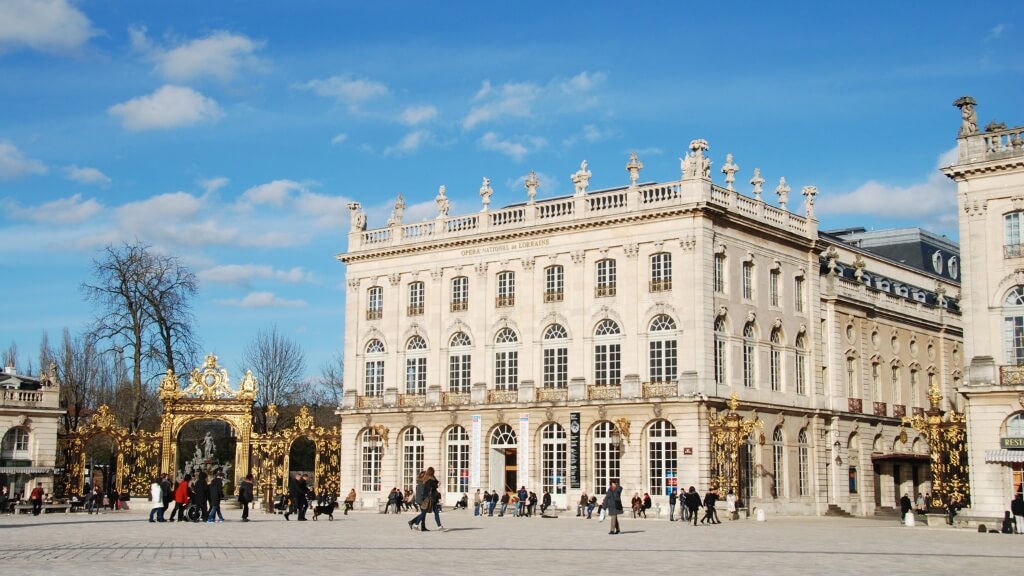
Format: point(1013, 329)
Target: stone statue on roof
point(485, 194)
point(969, 117)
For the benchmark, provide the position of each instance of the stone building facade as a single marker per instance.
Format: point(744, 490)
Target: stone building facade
point(989, 173)
point(29, 420)
point(561, 343)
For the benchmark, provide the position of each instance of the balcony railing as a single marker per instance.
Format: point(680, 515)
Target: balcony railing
point(369, 402)
point(1011, 375)
point(856, 405)
point(504, 301)
point(460, 305)
point(1013, 250)
point(374, 314)
point(660, 389)
point(503, 396)
point(554, 296)
point(455, 398)
point(899, 410)
point(413, 400)
point(22, 397)
point(552, 394)
point(881, 409)
point(604, 392)
point(661, 285)
point(415, 310)
point(604, 291)
point(917, 411)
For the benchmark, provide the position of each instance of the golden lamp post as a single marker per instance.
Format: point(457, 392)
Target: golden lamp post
point(946, 433)
point(729, 433)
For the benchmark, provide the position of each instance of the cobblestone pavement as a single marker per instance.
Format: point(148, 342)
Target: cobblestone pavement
point(364, 543)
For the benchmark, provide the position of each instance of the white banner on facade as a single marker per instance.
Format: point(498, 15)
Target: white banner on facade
point(474, 454)
point(523, 460)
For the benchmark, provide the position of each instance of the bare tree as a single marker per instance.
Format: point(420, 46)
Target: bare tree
point(332, 380)
point(78, 365)
point(10, 355)
point(144, 317)
point(279, 365)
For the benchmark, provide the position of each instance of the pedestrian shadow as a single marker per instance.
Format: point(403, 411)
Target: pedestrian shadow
point(632, 531)
point(463, 529)
point(66, 523)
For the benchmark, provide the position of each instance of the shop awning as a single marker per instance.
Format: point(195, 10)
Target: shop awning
point(25, 470)
point(905, 457)
point(1004, 456)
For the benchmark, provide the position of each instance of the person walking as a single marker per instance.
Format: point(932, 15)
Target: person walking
point(95, 501)
point(1017, 507)
point(545, 503)
point(710, 498)
point(730, 506)
point(36, 498)
point(166, 491)
point(672, 505)
point(201, 495)
point(181, 499)
point(304, 493)
point(245, 496)
point(906, 507)
point(426, 486)
point(693, 504)
point(613, 506)
point(216, 495)
point(350, 501)
point(293, 495)
point(156, 498)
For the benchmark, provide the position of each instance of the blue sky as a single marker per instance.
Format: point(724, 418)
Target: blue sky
point(232, 134)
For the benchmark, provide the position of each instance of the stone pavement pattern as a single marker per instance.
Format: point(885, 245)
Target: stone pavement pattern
point(364, 543)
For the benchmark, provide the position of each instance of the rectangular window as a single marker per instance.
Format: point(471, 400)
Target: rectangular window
point(876, 382)
point(798, 294)
point(412, 464)
point(775, 368)
point(801, 373)
point(371, 467)
point(719, 360)
point(374, 385)
point(416, 376)
point(748, 281)
point(554, 284)
point(458, 373)
point(506, 370)
point(773, 287)
point(458, 466)
point(375, 303)
point(605, 278)
point(748, 363)
point(506, 289)
point(851, 379)
point(1013, 340)
point(663, 455)
point(914, 398)
point(607, 364)
point(415, 299)
point(718, 273)
point(663, 360)
point(661, 272)
point(897, 393)
point(556, 367)
point(1011, 231)
point(802, 472)
point(460, 294)
point(853, 479)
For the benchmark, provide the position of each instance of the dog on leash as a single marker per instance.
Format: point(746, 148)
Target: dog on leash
point(325, 507)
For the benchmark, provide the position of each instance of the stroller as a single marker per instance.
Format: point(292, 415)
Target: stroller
point(193, 513)
point(282, 504)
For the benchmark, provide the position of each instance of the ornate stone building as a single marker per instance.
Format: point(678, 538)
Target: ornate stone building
point(561, 343)
point(989, 173)
point(29, 419)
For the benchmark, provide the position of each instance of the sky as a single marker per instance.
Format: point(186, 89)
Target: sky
point(233, 134)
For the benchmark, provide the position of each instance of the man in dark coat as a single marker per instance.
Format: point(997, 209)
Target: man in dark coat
point(216, 495)
point(905, 507)
point(671, 505)
point(245, 496)
point(545, 503)
point(166, 490)
point(293, 495)
point(692, 500)
point(303, 497)
point(613, 506)
point(201, 495)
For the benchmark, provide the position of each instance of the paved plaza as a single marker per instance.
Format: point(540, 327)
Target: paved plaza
point(368, 543)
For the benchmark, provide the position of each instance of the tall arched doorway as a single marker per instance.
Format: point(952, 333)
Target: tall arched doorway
point(207, 445)
point(101, 464)
point(302, 459)
point(504, 461)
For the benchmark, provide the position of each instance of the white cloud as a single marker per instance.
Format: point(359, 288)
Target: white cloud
point(339, 138)
point(583, 82)
point(263, 300)
point(328, 211)
point(932, 201)
point(510, 100)
point(641, 152)
point(410, 143)
point(86, 175)
point(273, 193)
point(14, 164)
point(212, 185)
point(45, 25)
point(63, 211)
point(221, 55)
point(414, 115)
point(591, 134)
point(997, 31)
point(244, 273)
point(515, 148)
point(169, 107)
point(524, 99)
point(353, 92)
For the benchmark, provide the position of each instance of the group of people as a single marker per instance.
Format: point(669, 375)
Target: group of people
point(203, 496)
point(524, 502)
point(690, 504)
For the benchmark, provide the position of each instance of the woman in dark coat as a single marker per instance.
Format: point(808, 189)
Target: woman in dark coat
point(613, 506)
point(201, 495)
point(693, 503)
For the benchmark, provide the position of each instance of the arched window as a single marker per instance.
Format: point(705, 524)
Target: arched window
point(661, 272)
point(412, 457)
point(416, 366)
point(556, 357)
point(749, 356)
point(459, 363)
point(372, 448)
point(458, 460)
point(554, 450)
point(800, 364)
point(778, 464)
point(1013, 323)
point(503, 436)
point(606, 457)
point(373, 383)
point(720, 360)
point(607, 354)
point(554, 284)
point(803, 464)
point(605, 284)
point(506, 360)
point(663, 353)
point(15, 444)
point(460, 294)
point(1015, 426)
point(374, 303)
point(416, 297)
point(662, 457)
point(775, 360)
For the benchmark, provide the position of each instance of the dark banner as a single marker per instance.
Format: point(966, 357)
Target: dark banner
point(574, 450)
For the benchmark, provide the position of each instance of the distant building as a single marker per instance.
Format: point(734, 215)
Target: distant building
point(989, 173)
point(915, 247)
point(564, 342)
point(29, 419)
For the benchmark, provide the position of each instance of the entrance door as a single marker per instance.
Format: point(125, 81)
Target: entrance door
point(878, 484)
point(511, 468)
point(504, 464)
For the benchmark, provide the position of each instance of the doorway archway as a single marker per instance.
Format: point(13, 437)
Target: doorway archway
point(504, 460)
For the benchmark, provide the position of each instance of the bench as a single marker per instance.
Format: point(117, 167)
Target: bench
point(46, 508)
